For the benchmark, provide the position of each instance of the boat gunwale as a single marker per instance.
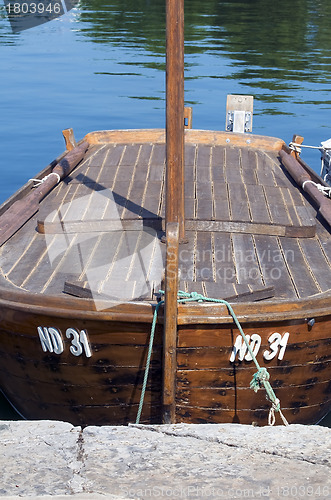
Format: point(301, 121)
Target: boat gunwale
point(192, 136)
point(26, 188)
point(317, 306)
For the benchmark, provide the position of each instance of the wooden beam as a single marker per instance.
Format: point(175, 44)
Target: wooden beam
point(297, 139)
point(303, 179)
point(22, 210)
point(188, 117)
point(307, 229)
point(175, 114)
point(170, 324)
point(193, 136)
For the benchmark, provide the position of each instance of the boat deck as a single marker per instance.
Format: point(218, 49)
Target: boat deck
point(252, 234)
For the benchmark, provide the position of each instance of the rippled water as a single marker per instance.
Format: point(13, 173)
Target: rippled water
point(102, 66)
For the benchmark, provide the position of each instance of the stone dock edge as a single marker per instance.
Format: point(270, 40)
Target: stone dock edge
point(50, 459)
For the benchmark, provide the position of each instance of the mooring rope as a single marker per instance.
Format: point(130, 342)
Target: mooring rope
point(294, 146)
point(325, 149)
point(148, 361)
point(322, 189)
point(261, 377)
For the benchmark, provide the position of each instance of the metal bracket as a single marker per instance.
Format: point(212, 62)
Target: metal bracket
point(239, 113)
point(326, 161)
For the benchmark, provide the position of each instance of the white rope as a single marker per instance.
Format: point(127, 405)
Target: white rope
point(272, 418)
point(40, 181)
point(323, 189)
point(295, 146)
point(325, 150)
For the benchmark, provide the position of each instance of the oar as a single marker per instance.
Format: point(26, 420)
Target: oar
point(22, 210)
point(301, 176)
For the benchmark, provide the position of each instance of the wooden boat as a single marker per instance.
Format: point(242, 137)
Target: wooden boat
point(83, 259)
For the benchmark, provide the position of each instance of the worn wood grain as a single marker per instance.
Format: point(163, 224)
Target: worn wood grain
point(238, 416)
point(175, 211)
point(170, 323)
point(303, 280)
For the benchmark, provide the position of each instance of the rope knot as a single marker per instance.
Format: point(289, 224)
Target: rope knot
point(197, 296)
point(261, 376)
point(276, 404)
point(295, 147)
point(193, 296)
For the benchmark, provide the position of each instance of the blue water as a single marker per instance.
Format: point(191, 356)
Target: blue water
point(101, 66)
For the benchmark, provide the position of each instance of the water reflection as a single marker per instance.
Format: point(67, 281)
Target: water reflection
point(270, 45)
point(277, 52)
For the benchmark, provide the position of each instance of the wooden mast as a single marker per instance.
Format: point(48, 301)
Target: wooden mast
point(175, 114)
point(174, 219)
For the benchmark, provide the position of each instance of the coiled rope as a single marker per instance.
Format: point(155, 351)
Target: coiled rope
point(260, 378)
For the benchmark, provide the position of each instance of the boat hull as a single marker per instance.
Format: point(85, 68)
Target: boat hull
point(102, 383)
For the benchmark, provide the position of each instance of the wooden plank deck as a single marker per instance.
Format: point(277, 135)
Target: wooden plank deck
point(247, 223)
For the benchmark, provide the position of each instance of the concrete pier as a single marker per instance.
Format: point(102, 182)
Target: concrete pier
point(56, 460)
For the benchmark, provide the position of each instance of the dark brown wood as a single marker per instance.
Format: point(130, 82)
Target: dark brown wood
point(175, 114)
point(170, 323)
point(115, 371)
point(21, 211)
point(224, 377)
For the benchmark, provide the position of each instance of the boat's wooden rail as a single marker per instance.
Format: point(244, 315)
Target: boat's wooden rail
point(304, 180)
point(192, 136)
point(17, 300)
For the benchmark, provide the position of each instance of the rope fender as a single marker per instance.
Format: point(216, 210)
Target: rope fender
point(260, 378)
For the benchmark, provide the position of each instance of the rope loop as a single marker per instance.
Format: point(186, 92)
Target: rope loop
point(322, 189)
point(41, 181)
point(272, 418)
